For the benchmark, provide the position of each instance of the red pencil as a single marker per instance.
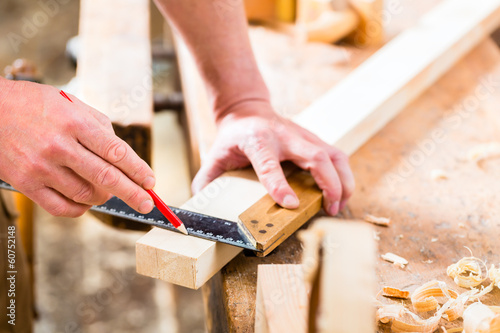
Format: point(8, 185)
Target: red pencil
point(167, 212)
point(162, 207)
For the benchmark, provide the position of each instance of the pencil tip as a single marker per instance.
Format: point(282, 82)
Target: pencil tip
point(182, 229)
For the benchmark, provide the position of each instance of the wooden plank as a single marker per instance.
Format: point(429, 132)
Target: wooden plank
point(198, 267)
point(282, 299)
point(363, 103)
point(114, 67)
point(347, 277)
point(199, 117)
point(190, 261)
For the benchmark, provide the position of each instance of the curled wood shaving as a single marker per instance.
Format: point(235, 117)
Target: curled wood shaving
point(479, 318)
point(383, 221)
point(395, 259)
point(410, 322)
point(483, 151)
point(468, 272)
point(386, 313)
point(494, 275)
point(424, 297)
point(395, 293)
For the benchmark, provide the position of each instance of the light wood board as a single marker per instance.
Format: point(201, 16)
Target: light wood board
point(358, 107)
point(282, 299)
point(114, 67)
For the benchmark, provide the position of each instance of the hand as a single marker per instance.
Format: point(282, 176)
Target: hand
point(65, 156)
point(254, 134)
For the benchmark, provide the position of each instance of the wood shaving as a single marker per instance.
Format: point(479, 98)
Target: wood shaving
point(383, 221)
point(424, 297)
point(479, 318)
point(494, 275)
point(376, 235)
point(410, 322)
point(395, 259)
point(386, 313)
point(438, 174)
point(395, 293)
point(433, 240)
point(428, 261)
point(468, 272)
point(484, 151)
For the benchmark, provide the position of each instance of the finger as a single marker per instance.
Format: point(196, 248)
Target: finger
point(56, 204)
point(109, 178)
point(318, 162)
point(75, 188)
point(268, 169)
point(341, 164)
point(118, 153)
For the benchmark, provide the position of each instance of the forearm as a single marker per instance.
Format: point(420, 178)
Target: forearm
point(221, 49)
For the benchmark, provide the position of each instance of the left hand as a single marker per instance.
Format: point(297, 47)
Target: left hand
point(253, 134)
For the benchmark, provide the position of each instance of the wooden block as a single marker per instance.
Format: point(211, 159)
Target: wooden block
point(282, 299)
point(347, 277)
point(190, 261)
point(114, 67)
point(358, 107)
point(271, 224)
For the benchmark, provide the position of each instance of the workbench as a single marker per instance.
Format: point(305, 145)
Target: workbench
point(432, 219)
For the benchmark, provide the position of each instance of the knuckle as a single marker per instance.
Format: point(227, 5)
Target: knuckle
point(139, 172)
point(133, 196)
point(84, 194)
point(349, 187)
point(268, 166)
point(333, 193)
point(107, 177)
point(319, 156)
point(54, 148)
point(59, 210)
point(115, 151)
point(273, 187)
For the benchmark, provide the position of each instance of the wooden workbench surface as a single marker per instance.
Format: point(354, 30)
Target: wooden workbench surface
point(432, 219)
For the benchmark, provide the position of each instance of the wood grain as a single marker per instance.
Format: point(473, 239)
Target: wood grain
point(347, 277)
point(271, 224)
point(282, 299)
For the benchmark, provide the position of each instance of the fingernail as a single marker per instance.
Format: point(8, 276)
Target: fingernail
point(290, 201)
point(149, 183)
point(334, 208)
point(343, 203)
point(146, 206)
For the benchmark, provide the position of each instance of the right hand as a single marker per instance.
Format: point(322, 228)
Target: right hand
point(65, 156)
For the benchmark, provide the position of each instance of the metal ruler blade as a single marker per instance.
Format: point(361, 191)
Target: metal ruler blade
point(199, 225)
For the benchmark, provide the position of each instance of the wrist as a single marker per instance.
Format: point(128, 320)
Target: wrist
point(243, 108)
